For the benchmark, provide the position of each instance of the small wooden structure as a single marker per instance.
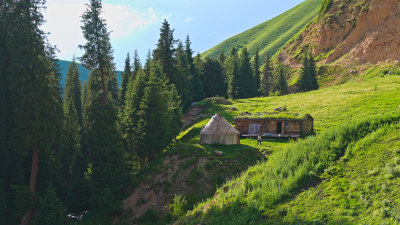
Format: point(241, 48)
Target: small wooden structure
point(275, 126)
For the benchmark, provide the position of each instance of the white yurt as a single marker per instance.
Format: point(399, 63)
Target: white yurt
point(219, 131)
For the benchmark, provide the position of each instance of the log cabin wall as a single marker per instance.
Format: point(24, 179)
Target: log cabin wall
point(242, 125)
point(308, 125)
point(270, 125)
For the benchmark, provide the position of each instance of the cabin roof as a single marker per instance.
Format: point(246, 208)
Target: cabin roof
point(274, 116)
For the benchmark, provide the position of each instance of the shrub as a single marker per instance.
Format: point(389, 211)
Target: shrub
point(177, 208)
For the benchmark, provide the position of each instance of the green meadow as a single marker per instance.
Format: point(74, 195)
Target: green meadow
point(345, 118)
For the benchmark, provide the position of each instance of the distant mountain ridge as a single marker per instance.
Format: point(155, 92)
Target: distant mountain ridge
point(84, 73)
point(272, 34)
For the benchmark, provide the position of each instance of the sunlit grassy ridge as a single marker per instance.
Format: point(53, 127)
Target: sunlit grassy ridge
point(339, 114)
point(362, 188)
point(272, 34)
point(331, 106)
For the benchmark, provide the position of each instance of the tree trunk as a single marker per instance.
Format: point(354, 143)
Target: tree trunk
point(32, 185)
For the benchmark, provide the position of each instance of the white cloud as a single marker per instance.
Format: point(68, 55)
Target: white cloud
point(64, 21)
point(188, 20)
point(123, 21)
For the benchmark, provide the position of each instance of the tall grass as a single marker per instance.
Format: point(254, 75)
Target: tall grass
point(244, 199)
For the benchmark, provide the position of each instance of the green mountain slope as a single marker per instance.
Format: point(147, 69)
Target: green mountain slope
point(271, 35)
point(346, 118)
point(84, 73)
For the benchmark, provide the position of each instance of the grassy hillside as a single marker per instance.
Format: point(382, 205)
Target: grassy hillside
point(271, 35)
point(344, 115)
point(362, 188)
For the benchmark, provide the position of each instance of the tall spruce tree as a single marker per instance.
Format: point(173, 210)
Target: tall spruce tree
point(147, 64)
point(281, 83)
point(108, 173)
point(156, 114)
point(246, 84)
point(137, 65)
point(72, 140)
point(257, 74)
point(197, 88)
point(266, 77)
point(73, 89)
point(165, 51)
point(213, 78)
point(308, 75)
point(182, 77)
point(130, 117)
point(125, 78)
point(232, 73)
point(30, 101)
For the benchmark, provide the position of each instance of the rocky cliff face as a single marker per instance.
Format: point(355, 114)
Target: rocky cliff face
point(350, 32)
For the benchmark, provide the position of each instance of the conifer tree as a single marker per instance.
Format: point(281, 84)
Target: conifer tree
point(246, 84)
point(30, 98)
point(232, 73)
point(137, 65)
point(130, 117)
point(213, 78)
point(51, 210)
point(97, 55)
point(77, 199)
point(103, 139)
point(154, 132)
point(266, 77)
point(165, 51)
point(6, 156)
point(125, 78)
point(257, 75)
point(281, 83)
point(182, 77)
point(221, 58)
point(73, 89)
point(308, 75)
point(147, 64)
point(174, 111)
point(196, 84)
point(72, 141)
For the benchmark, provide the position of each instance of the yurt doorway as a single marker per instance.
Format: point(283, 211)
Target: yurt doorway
point(279, 127)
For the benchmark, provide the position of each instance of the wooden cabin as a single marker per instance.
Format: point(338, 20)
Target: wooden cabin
point(275, 126)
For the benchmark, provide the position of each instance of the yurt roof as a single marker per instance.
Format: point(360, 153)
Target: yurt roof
point(218, 125)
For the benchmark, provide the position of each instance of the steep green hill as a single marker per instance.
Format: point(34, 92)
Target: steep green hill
point(271, 35)
point(64, 64)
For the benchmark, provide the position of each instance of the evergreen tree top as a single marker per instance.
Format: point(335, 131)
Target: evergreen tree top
point(98, 50)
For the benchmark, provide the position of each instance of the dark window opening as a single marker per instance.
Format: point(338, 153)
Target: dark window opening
point(279, 128)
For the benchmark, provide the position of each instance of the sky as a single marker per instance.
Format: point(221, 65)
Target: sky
point(135, 24)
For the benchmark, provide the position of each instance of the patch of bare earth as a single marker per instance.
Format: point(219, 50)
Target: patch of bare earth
point(157, 192)
point(193, 115)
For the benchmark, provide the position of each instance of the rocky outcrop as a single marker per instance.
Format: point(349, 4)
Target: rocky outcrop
point(366, 31)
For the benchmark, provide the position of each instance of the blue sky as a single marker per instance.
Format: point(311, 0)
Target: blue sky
point(135, 24)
